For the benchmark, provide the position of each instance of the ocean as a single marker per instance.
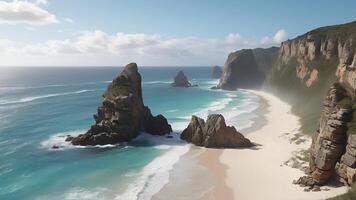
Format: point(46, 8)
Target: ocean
point(39, 106)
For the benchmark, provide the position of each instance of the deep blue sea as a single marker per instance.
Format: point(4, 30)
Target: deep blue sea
point(39, 106)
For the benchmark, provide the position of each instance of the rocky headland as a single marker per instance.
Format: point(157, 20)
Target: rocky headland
point(122, 114)
point(180, 80)
point(216, 72)
point(213, 133)
point(301, 72)
point(247, 68)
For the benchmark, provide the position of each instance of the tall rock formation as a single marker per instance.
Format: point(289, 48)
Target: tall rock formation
point(247, 68)
point(213, 133)
point(122, 114)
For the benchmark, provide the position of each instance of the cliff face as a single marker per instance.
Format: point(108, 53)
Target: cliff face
point(246, 68)
point(320, 58)
point(122, 114)
point(308, 65)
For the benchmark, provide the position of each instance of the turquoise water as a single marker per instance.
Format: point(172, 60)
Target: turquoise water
point(39, 106)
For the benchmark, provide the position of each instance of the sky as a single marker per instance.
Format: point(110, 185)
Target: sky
point(155, 32)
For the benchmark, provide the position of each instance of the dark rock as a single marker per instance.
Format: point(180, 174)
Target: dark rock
point(69, 138)
point(55, 147)
point(247, 68)
point(180, 80)
point(169, 136)
point(216, 72)
point(155, 125)
point(122, 114)
point(213, 133)
point(316, 189)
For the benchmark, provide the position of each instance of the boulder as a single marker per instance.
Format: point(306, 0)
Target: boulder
point(213, 133)
point(122, 114)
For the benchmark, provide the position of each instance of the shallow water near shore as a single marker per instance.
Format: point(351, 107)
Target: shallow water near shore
point(40, 106)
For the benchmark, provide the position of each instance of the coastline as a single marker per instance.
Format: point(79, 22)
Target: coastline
point(261, 173)
point(257, 173)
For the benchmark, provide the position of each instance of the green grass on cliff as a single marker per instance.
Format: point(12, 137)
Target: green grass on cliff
point(306, 102)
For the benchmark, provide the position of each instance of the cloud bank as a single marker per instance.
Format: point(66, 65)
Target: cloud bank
point(100, 48)
point(24, 12)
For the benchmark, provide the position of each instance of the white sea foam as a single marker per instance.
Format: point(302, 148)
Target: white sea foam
point(155, 175)
point(173, 110)
point(29, 87)
point(58, 140)
point(85, 194)
point(32, 98)
point(157, 82)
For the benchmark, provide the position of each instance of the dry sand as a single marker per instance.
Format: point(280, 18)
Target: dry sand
point(260, 173)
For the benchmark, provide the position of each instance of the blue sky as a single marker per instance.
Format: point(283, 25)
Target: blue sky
point(157, 32)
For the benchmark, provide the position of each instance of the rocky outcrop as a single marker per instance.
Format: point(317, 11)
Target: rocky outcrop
point(333, 146)
point(241, 71)
point(347, 167)
point(213, 133)
point(247, 68)
point(334, 42)
point(329, 141)
point(216, 72)
point(122, 114)
point(180, 80)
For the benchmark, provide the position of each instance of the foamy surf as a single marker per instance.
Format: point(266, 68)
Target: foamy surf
point(33, 98)
point(58, 140)
point(155, 175)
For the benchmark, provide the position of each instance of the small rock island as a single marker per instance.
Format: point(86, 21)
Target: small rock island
point(214, 133)
point(180, 80)
point(123, 114)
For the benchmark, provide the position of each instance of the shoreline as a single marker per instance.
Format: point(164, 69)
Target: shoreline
point(262, 173)
point(257, 173)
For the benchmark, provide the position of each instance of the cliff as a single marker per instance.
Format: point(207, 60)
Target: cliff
point(247, 68)
point(321, 62)
point(305, 69)
point(122, 114)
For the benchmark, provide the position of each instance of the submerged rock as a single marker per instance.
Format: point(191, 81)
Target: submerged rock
point(180, 80)
point(216, 72)
point(122, 114)
point(213, 133)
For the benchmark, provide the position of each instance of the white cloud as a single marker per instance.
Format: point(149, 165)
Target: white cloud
point(44, 2)
point(280, 36)
point(100, 48)
point(69, 20)
point(24, 12)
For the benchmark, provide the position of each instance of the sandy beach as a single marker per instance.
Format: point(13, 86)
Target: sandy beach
point(261, 173)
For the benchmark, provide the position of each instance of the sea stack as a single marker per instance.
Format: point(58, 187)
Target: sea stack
point(213, 133)
point(180, 80)
point(216, 72)
point(122, 114)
